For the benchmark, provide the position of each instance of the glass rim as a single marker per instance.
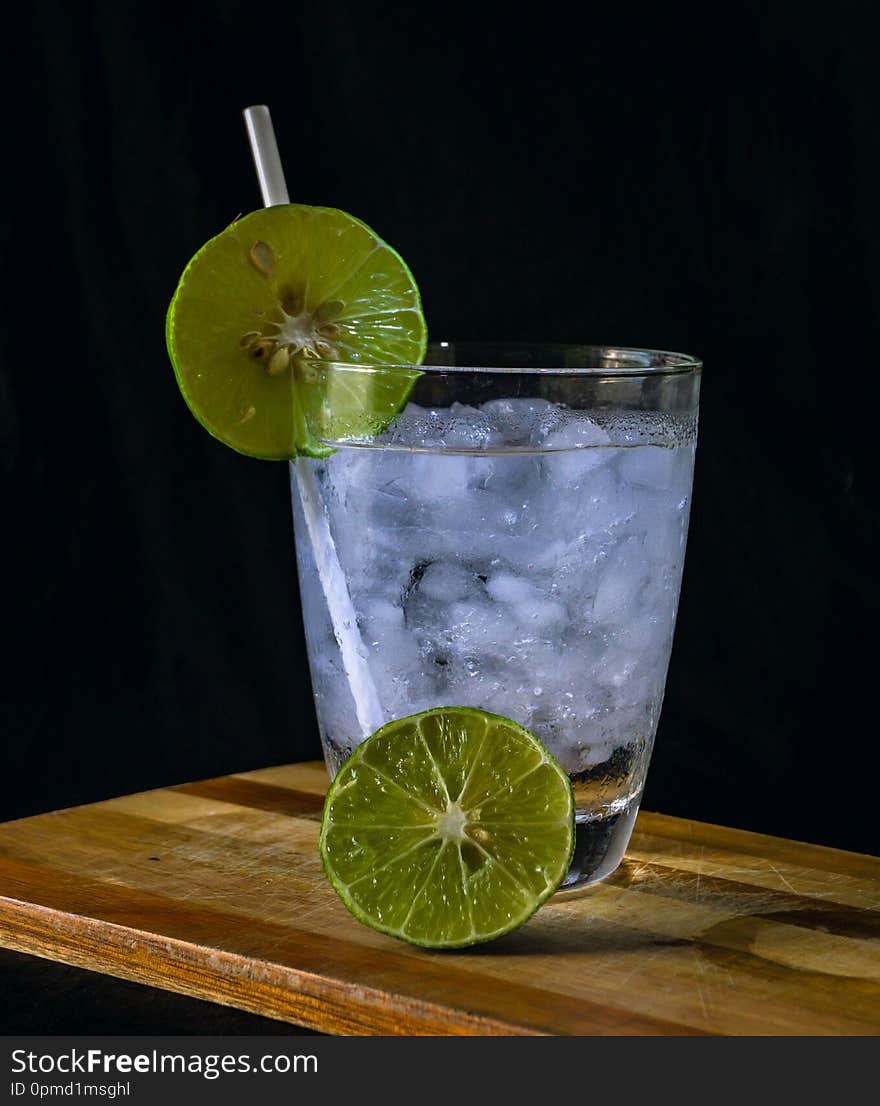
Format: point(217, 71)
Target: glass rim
point(633, 361)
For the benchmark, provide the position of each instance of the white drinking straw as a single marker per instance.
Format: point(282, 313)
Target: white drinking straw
point(342, 614)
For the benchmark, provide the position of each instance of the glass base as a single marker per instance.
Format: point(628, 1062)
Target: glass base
point(599, 845)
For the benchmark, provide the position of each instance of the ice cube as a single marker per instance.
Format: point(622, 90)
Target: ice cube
point(576, 450)
point(621, 582)
point(477, 626)
point(433, 476)
point(647, 635)
point(634, 723)
point(650, 465)
point(504, 587)
point(615, 666)
point(533, 610)
point(546, 616)
point(553, 557)
point(514, 476)
point(377, 616)
point(613, 593)
point(594, 754)
point(602, 504)
point(559, 428)
point(515, 419)
point(446, 581)
point(419, 427)
point(470, 429)
point(663, 520)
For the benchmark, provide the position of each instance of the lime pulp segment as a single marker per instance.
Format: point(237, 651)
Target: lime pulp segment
point(263, 304)
point(448, 828)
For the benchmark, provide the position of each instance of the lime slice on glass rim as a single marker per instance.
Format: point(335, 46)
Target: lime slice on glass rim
point(262, 304)
point(448, 828)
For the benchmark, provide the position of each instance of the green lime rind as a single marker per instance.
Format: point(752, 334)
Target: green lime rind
point(448, 828)
point(316, 281)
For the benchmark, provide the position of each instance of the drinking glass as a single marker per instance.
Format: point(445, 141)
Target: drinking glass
point(512, 540)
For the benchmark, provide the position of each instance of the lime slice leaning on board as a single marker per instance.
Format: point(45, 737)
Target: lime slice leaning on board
point(448, 828)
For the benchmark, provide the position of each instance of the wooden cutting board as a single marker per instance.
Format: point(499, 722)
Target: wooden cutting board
point(215, 889)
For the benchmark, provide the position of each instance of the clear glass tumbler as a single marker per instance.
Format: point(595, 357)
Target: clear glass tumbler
point(512, 540)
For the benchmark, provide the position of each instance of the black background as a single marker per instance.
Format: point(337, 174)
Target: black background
point(634, 176)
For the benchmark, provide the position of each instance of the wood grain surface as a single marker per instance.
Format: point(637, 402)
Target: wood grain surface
point(215, 889)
